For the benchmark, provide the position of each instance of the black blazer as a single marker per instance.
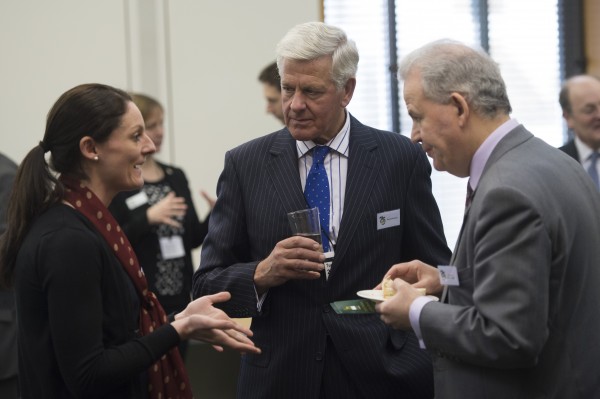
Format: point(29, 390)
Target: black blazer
point(8, 319)
point(260, 183)
point(571, 150)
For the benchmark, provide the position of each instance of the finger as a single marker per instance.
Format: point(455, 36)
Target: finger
point(243, 330)
point(301, 270)
point(208, 198)
point(238, 336)
point(301, 242)
point(171, 222)
point(307, 275)
point(177, 211)
point(398, 284)
point(246, 348)
point(304, 258)
point(241, 346)
point(178, 201)
point(310, 262)
point(225, 338)
point(398, 270)
point(380, 285)
point(219, 297)
point(222, 329)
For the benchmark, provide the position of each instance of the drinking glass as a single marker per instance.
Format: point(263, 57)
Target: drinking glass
point(305, 222)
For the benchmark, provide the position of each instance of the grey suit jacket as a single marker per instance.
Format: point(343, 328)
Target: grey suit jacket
point(259, 185)
point(524, 321)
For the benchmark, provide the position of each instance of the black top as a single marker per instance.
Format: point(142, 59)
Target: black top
point(78, 315)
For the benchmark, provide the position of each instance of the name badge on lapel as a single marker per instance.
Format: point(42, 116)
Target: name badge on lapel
point(328, 262)
point(388, 219)
point(137, 200)
point(448, 275)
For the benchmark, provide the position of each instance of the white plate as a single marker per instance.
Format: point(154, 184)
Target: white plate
point(373, 295)
point(377, 295)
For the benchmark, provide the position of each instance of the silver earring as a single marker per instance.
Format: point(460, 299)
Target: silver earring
point(96, 158)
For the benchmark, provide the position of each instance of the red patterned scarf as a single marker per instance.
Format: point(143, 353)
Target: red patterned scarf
point(167, 377)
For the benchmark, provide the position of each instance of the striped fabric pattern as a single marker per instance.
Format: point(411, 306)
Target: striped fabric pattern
point(259, 184)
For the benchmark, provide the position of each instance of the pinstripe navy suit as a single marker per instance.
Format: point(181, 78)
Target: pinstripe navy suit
point(260, 183)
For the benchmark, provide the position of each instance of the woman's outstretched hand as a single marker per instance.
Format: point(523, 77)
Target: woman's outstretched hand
point(203, 322)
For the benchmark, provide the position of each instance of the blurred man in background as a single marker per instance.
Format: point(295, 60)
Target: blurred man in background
point(8, 323)
point(269, 77)
point(580, 102)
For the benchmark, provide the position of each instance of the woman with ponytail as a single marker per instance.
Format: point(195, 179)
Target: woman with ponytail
point(88, 327)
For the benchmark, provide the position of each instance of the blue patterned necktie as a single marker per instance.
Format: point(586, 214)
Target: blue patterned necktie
point(316, 191)
point(592, 170)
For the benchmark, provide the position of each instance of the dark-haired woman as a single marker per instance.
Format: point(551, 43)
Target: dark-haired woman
point(88, 325)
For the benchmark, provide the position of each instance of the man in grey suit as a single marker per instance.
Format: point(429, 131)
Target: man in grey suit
point(381, 211)
point(519, 311)
point(580, 102)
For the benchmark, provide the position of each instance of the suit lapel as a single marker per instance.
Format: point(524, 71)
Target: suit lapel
point(514, 138)
point(283, 172)
point(363, 168)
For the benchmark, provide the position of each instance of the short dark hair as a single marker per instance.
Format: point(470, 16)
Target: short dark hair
point(563, 98)
point(270, 75)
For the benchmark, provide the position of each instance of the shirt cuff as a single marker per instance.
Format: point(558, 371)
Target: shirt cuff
point(414, 314)
point(260, 300)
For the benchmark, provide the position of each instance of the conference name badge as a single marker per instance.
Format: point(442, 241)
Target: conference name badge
point(171, 247)
point(388, 219)
point(328, 262)
point(137, 200)
point(448, 275)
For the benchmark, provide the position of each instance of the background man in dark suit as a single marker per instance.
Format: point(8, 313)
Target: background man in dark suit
point(381, 211)
point(8, 322)
point(271, 83)
point(521, 317)
point(580, 102)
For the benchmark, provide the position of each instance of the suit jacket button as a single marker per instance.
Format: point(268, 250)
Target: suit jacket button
point(319, 356)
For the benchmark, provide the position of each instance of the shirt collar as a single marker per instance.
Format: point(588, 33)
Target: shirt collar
point(583, 149)
point(339, 143)
point(485, 150)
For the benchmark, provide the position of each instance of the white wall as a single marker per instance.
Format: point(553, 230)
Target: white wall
point(46, 48)
point(200, 58)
